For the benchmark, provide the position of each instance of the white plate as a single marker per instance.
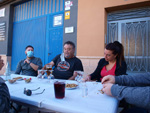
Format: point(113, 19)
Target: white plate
point(72, 82)
point(18, 79)
point(72, 88)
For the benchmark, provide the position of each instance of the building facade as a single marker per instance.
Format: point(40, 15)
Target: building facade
point(47, 24)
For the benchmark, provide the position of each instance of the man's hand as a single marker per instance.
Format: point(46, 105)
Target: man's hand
point(88, 78)
point(51, 63)
point(108, 79)
point(41, 72)
point(107, 89)
point(34, 66)
point(27, 61)
point(74, 76)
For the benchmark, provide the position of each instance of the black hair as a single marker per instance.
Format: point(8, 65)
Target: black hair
point(29, 46)
point(121, 50)
point(71, 43)
point(117, 49)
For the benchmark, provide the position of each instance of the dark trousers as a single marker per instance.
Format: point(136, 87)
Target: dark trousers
point(135, 110)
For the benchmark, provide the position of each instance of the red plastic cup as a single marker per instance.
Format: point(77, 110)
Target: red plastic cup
point(59, 88)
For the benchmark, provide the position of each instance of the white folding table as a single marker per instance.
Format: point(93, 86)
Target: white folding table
point(73, 102)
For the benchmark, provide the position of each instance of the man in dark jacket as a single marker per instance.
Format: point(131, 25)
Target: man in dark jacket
point(135, 89)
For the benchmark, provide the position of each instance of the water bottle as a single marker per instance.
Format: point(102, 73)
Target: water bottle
point(7, 72)
point(84, 90)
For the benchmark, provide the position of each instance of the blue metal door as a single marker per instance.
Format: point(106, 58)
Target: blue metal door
point(55, 43)
point(37, 23)
point(31, 32)
point(54, 36)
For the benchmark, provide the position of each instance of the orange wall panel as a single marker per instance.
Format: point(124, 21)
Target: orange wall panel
point(92, 24)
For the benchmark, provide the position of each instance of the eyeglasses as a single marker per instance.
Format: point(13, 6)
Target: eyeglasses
point(28, 92)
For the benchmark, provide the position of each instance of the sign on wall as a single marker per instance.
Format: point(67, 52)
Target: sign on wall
point(67, 15)
point(2, 12)
point(2, 31)
point(58, 20)
point(69, 29)
point(68, 4)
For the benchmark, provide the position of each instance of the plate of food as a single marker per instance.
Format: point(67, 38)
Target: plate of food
point(18, 78)
point(71, 85)
point(27, 80)
point(12, 81)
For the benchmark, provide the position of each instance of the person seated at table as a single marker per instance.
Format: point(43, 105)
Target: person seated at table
point(134, 89)
point(4, 94)
point(30, 65)
point(65, 69)
point(1, 63)
point(113, 63)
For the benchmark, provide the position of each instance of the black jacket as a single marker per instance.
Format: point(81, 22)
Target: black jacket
point(120, 70)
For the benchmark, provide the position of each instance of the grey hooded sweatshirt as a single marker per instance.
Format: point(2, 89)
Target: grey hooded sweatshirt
point(135, 89)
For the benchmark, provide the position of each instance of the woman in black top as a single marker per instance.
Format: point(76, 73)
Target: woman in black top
point(113, 62)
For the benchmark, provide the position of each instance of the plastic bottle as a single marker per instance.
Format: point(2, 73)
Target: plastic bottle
point(84, 90)
point(7, 72)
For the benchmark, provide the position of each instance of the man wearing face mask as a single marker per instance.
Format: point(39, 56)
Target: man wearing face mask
point(30, 65)
point(65, 69)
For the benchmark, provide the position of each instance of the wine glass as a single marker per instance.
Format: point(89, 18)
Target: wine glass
point(39, 76)
point(49, 71)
